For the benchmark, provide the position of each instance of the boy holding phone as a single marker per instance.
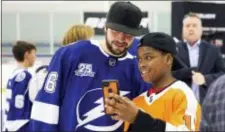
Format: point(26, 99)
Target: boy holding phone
point(169, 105)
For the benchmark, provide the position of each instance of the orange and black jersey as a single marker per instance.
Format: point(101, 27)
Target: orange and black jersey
point(175, 108)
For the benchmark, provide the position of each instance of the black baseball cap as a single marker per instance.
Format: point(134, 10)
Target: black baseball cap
point(124, 17)
point(164, 42)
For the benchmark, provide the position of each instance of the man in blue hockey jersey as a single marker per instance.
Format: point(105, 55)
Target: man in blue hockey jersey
point(18, 101)
point(71, 98)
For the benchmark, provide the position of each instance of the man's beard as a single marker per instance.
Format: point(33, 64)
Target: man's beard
point(115, 52)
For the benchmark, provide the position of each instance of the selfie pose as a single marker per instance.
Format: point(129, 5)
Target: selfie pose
point(169, 105)
point(71, 98)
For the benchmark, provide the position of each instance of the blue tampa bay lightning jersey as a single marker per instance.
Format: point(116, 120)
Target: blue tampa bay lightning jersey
point(18, 103)
point(72, 99)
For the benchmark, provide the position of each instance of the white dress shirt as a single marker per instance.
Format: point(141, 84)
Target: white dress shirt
point(193, 59)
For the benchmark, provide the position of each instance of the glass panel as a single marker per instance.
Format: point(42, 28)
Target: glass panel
point(35, 27)
point(8, 27)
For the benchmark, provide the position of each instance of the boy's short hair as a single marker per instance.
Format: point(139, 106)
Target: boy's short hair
point(20, 48)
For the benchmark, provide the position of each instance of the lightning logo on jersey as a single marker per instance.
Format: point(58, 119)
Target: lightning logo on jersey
point(95, 113)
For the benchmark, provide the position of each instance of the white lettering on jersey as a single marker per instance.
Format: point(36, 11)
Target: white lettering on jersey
point(84, 69)
point(19, 101)
point(51, 82)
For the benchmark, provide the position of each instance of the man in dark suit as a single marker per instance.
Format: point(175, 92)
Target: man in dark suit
point(203, 61)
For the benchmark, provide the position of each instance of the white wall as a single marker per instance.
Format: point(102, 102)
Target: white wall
point(43, 6)
point(155, 6)
point(54, 6)
point(159, 11)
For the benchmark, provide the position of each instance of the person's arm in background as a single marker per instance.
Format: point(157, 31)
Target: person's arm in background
point(45, 110)
point(32, 88)
point(184, 73)
point(36, 82)
point(219, 69)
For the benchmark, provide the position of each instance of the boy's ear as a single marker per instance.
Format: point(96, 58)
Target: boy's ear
point(26, 55)
point(169, 59)
point(105, 29)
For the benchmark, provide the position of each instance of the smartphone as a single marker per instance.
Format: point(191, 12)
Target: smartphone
point(109, 86)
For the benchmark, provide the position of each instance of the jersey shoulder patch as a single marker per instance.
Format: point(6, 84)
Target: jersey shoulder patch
point(20, 76)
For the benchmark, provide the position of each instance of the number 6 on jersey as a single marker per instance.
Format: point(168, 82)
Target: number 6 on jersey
point(51, 82)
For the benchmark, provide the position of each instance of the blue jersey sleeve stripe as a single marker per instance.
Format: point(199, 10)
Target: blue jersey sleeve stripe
point(47, 113)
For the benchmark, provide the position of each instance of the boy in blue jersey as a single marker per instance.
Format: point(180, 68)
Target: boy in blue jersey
point(71, 98)
point(18, 100)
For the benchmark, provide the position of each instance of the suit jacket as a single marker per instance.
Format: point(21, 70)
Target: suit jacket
point(210, 64)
